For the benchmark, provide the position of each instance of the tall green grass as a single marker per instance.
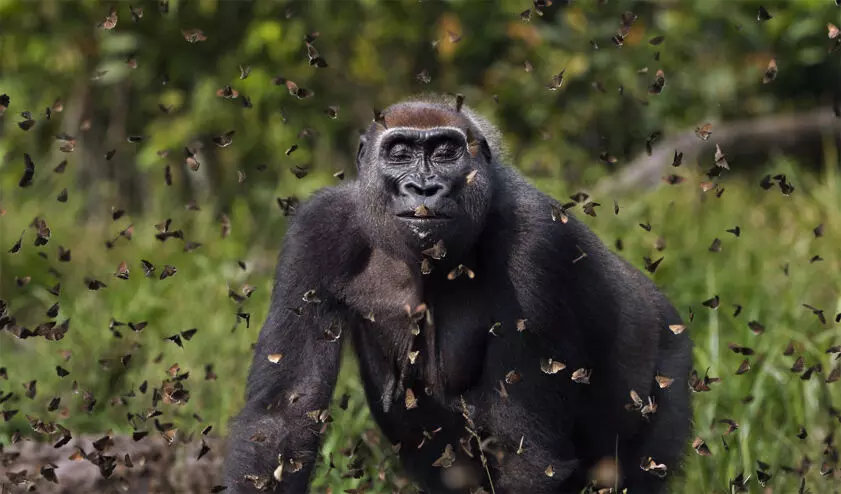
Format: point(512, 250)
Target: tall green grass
point(775, 230)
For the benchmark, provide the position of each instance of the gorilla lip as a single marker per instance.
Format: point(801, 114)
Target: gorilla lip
point(410, 215)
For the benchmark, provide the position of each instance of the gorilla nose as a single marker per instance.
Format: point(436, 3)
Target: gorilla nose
point(414, 189)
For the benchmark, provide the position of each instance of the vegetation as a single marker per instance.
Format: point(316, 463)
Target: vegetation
point(714, 55)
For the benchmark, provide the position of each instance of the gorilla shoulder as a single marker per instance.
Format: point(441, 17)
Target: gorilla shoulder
point(324, 232)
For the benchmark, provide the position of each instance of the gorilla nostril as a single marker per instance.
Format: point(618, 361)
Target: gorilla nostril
point(426, 190)
point(431, 190)
point(411, 189)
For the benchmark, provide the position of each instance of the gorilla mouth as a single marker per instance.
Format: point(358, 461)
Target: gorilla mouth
point(412, 215)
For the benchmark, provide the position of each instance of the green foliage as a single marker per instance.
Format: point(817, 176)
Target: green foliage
point(714, 55)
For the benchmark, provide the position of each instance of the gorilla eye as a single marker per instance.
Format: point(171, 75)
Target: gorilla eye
point(400, 154)
point(447, 152)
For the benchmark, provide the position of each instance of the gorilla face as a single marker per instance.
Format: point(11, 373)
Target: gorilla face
point(424, 171)
point(423, 183)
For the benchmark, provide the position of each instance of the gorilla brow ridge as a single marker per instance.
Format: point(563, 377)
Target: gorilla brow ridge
point(445, 104)
point(391, 130)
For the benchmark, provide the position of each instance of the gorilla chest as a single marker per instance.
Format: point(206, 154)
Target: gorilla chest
point(437, 349)
point(452, 341)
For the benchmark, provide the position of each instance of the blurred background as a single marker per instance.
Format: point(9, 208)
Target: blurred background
point(181, 134)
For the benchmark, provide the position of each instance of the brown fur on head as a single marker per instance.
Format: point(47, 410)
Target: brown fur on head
point(425, 117)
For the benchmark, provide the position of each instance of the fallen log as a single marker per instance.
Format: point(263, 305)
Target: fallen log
point(747, 142)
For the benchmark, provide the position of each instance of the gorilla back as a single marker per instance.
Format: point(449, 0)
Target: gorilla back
point(480, 312)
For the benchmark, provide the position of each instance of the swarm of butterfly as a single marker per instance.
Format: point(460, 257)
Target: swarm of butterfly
point(173, 390)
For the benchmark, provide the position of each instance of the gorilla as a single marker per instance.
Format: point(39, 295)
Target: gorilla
point(503, 348)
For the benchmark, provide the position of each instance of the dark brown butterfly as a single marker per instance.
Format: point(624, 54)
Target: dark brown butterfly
point(68, 142)
point(42, 235)
point(557, 81)
point(94, 284)
point(678, 159)
point(117, 213)
point(190, 159)
point(314, 58)
point(29, 171)
point(651, 266)
point(300, 171)
point(607, 158)
point(770, 72)
point(16, 248)
point(590, 208)
point(766, 183)
point(834, 375)
point(131, 61)
point(148, 268)
point(193, 35)
point(741, 350)
point(459, 102)
point(763, 14)
point(580, 197)
point(298, 92)
point(673, 179)
point(122, 271)
point(136, 13)
point(453, 36)
point(287, 205)
point(26, 124)
point(659, 83)
point(168, 271)
point(649, 141)
point(225, 139)
point(227, 92)
point(110, 22)
point(704, 131)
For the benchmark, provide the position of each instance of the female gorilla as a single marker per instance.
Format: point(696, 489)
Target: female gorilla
point(458, 282)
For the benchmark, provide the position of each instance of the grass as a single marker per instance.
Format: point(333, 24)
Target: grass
point(775, 230)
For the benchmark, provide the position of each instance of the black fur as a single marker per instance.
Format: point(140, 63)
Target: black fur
point(595, 312)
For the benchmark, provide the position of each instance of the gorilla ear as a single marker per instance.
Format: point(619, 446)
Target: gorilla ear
point(481, 143)
point(363, 142)
point(485, 149)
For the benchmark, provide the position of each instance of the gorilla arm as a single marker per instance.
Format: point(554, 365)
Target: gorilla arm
point(533, 416)
point(293, 373)
point(539, 454)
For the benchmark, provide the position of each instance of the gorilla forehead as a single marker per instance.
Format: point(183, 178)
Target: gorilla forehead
point(424, 115)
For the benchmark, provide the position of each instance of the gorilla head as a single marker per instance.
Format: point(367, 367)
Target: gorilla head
point(425, 173)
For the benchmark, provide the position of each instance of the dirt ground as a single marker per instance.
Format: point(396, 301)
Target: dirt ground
point(153, 466)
